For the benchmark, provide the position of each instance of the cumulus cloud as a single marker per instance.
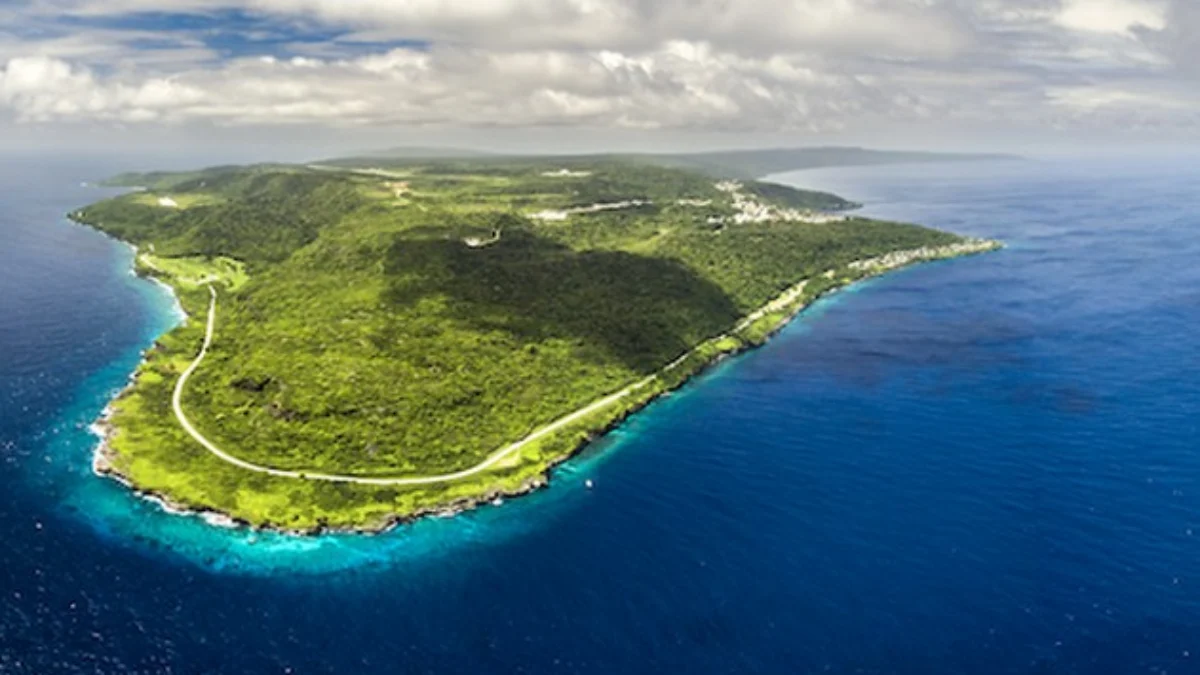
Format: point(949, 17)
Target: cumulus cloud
point(895, 27)
point(810, 65)
point(1178, 39)
point(1111, 16)
point(679, 86)
point(41, 89)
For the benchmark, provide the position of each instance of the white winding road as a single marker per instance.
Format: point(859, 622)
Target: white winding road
point(779, 303)
point(493, 459)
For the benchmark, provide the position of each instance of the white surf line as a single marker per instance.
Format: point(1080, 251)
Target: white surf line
point(780, 302)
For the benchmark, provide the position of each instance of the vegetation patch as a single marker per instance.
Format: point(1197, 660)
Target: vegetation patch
point(410, 320)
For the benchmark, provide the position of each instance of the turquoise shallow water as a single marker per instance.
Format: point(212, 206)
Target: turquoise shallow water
point(984, 465)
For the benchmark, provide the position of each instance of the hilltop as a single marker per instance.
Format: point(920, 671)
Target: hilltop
point(398, 339)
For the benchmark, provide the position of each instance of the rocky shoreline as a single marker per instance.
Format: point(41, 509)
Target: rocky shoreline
point(103, 462)
point(103, 466)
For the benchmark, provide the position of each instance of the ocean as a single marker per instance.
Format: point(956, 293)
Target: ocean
point(986, 465)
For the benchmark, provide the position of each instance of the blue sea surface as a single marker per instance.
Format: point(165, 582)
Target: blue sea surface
point(986, 465)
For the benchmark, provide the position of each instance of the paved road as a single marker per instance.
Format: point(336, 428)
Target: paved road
point(492, 460)
point(892, 261)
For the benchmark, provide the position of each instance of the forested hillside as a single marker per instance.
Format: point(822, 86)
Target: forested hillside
point(411, 320)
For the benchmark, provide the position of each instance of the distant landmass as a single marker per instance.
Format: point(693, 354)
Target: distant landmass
point(756, 163)
point(429, 152)
point(379, 338)
point(751, 163)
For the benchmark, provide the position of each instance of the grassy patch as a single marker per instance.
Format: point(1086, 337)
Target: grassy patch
point(173, 200)
point(194, 272)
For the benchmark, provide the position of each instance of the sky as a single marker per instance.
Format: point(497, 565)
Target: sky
point(303, 78)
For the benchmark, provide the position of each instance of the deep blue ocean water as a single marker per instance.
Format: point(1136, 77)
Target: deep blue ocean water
point(986, 465)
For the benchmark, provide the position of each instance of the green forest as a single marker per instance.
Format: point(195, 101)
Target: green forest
point(411, 319)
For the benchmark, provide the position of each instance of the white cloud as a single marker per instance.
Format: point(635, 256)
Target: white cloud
point(1129, 107)
point(1112, 16)
point(1177, 40)
point(683, 85)
point(807, 65)
point(1099, 98)
point(926, 28)
point(42, 89)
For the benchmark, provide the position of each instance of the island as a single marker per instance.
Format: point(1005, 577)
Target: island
point(371, 340)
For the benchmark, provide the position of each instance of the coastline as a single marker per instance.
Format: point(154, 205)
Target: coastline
point(777, 313)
